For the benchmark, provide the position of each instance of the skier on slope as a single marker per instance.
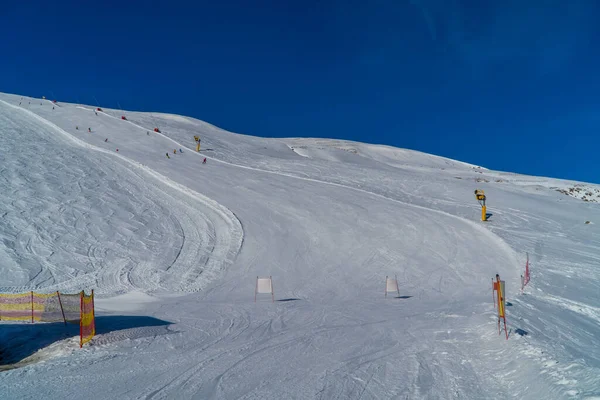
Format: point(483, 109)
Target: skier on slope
point(204, 162)
point(168, 155)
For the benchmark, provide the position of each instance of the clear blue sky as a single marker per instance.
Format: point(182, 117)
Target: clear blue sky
point(509, 84)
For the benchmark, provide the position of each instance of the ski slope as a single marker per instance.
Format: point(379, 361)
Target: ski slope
point(172, 248)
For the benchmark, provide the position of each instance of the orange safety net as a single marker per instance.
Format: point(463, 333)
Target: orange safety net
point(87, 324)
point(16, 307)
point(46, 307)
point(71, 304)
point(51, 307)
point(31, 306)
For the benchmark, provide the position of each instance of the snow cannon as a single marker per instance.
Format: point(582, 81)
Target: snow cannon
point(123, 118)
point(156, 130)
point(480, 196)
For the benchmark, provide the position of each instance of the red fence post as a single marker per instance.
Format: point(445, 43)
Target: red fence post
point(93, 315)
point(80, 319)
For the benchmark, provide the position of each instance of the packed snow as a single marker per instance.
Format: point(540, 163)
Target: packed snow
point(173, 247)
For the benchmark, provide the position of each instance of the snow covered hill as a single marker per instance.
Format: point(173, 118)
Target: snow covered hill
point(173, 247)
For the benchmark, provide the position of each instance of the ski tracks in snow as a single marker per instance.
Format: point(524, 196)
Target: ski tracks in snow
point(264, 351)
point(497, 240)
point(210, 235)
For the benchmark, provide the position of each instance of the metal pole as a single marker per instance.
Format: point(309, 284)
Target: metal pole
point(61, 307)
point(385, 290)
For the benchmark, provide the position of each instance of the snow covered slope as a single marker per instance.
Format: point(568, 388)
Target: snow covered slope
point(173, 247)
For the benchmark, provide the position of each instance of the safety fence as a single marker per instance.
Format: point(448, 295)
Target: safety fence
point(51, 307)
point(87, 323)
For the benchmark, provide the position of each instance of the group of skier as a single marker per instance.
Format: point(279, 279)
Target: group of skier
point(106, 140)
point(181, 151)
point(41, 104)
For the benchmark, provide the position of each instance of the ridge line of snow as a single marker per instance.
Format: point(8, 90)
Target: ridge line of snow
point(502, 244)
point(488, 233)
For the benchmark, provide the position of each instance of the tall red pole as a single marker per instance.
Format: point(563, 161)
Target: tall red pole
point(93, 314)
point(32, 306)
point(80, 319)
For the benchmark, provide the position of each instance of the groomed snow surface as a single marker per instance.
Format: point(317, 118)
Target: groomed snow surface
point(173, 247)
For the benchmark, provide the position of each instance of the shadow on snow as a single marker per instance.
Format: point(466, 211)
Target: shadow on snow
point(20, 341)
